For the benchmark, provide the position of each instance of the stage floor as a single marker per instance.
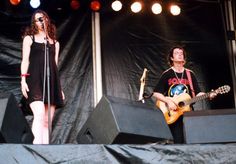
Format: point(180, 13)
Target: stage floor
point(150, 153)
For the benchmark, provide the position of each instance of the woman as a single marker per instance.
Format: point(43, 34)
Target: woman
point(41, 34)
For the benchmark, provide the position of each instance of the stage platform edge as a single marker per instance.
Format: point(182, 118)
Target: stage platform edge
point(99, 153)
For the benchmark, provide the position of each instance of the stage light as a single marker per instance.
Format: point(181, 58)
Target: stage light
point(116, 5)
point(175, 10)
point(34, 3)
point(15, 2)
point(136, 7)
point(74, 4)
point(156, 8)
point(95, 5)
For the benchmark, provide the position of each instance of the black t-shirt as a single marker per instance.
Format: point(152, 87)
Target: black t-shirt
point(173, 83)
point(170, 84)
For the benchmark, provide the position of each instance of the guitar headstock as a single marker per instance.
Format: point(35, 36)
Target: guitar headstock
point(142, 80)
point(223, 89)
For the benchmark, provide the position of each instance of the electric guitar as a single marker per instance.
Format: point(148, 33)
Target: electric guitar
point(183, 102)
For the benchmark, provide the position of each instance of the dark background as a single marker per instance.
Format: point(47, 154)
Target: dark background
point(129, 43)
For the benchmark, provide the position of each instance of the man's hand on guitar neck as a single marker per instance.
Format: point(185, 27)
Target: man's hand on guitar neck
point(212, 94)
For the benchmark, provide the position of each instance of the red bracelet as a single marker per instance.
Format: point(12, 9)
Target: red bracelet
point(25, 75)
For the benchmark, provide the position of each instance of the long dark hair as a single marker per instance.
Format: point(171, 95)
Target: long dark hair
point(32, 29)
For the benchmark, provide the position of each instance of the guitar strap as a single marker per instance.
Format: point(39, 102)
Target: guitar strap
point(190, 81)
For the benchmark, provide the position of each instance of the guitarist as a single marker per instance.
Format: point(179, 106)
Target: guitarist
point(175, 81)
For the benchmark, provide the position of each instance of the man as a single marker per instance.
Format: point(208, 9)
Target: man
point(175, 81)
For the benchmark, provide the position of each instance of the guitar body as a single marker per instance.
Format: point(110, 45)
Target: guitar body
point(170, 115)
point(183, 102)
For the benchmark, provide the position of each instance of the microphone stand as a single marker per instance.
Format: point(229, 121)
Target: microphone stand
point(47, 74)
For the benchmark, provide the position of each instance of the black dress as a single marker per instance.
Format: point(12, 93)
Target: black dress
point(36, 78)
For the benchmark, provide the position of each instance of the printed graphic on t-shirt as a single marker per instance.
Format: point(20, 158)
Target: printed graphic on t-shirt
point(177, 89)
point(174, 80)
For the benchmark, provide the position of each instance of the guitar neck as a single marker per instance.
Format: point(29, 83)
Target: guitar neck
point(197, 98)
point(142, 85)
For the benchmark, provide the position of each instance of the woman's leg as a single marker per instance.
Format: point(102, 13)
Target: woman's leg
point(38, 110)
point(46, 127)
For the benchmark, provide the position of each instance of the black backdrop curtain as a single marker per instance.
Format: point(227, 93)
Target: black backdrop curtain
point(130, 43)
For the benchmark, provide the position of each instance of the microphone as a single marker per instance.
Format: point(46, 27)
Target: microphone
point(40, 19)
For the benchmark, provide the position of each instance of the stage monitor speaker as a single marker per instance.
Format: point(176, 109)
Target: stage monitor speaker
point(210, 126)
point(13, 126)
point(120, 121)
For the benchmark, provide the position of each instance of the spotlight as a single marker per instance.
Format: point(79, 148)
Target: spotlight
point(116, 5)
point(175, 10)
point(74, 4)
point(136, 7)
point(95, 5)
point(14, 2)
point(156, 8)
point(34, 3)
